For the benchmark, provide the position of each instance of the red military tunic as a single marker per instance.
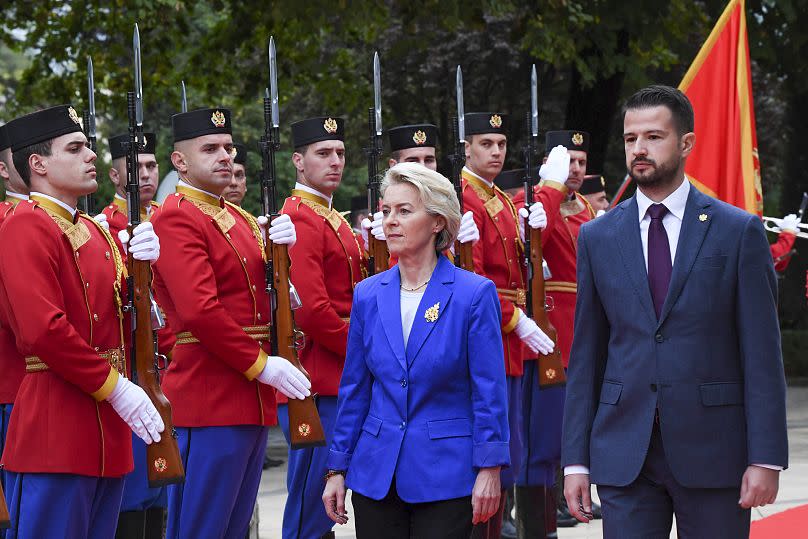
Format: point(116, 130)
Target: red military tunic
point(560, 246)
point(327, 263)
point(118, 219)
point(209, 279)
point(61, 289)
point(780, 248)
point(498, 255)
point(12, 363)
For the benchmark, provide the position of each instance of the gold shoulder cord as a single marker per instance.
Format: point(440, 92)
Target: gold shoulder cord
point(253, 222)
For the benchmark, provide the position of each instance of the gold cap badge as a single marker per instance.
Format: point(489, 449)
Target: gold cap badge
point(577, 139)
point(330, 126)
point(495, 121)
point(602, 181)
point(73, 115)
point(419, 137)
point(432, 313)
point(234, 152)
point(218, 119)
point(703, 217)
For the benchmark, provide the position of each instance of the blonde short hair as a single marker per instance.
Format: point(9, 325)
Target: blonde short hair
point(437, 194)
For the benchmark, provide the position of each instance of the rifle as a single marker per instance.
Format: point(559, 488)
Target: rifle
point(378, 255)
point(88, 201)
point(163, 458)
point(305, 428)
point(550, 368)
point(5, 519)
point(463, 253)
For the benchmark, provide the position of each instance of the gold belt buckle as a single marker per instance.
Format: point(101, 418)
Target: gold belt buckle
point(521, 296)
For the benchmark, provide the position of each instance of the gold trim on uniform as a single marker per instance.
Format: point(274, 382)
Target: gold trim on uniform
point(518, 296)
point(259, 333)
point(561, 286)
point(115, 357)
point(199, 196)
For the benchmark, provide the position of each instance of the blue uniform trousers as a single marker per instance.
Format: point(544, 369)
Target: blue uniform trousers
point(63, 505)
point(137, 496)
point(543, 415)
point(507, 476)
point(222, 475)
point(304, 516)
point(5, 417)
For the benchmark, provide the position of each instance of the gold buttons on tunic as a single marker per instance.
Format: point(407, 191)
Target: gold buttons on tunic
point(95, 317)
point(107, 255)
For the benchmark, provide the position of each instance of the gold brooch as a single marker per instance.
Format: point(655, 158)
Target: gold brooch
point(495, 121)
point(160, 464)
point(431, 314)
point(304, 429)
point(330, 125)
point(703, 217)
point(73, 115)
point(218, 118)
point(577, 139)
point(419, 137)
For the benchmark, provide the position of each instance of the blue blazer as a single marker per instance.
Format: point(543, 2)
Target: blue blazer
point(711, 364)
point(434, 413)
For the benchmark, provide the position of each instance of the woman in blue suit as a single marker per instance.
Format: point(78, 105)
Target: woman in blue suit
point(422, 427)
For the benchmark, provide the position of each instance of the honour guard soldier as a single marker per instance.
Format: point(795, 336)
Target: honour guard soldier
point(593, 190)
point(560, 210)
point(143, 508)
point(782, 248)
point(68, 444)
point(211, 285)
point(12, 364)
point(327, 263)
point(414, 144)
point(237, 188)
point(498, 255)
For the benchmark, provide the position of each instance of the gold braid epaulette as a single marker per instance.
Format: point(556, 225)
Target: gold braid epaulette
point(253, 222)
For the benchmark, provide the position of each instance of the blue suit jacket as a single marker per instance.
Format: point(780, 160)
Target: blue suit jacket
point(431, 414)
point(711, 364)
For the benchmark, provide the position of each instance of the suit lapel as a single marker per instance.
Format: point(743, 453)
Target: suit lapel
point(436, 297)
point(388, 305)
point(630, 246)
point(695, 224)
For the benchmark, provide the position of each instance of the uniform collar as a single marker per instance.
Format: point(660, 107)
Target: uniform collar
point(14, 198)
point(304, 191)
point(55, 205)
point(119, 202)
point(675, 202)
point(198, 194)
point(478, 181)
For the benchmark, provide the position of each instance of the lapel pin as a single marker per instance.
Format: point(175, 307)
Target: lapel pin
point(703, 217)
point(431, 314)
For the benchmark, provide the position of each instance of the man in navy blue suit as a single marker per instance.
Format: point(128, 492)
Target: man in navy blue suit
point(676, 393)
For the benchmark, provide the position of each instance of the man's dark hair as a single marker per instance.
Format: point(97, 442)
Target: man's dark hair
point(302, 149)
point(395, 155)
point(664, 96)
point(22, 155)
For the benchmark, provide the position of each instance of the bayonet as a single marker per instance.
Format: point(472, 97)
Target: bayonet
point(91, 101)
point(377, 93)
point(273, 83)
point(138, 80)
point(534, 104)
point(461, 114)
point(184, 104)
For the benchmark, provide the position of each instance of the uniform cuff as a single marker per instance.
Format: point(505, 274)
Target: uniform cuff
point(258, 366)
point(511, 325)
point(106, 388)
point(552, 184)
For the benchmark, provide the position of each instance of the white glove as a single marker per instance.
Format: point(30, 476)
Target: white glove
point(286, 378)
point(557, 167)
point(376, 227)
point(790, 223)
point(135, 407)
point(145, 244)
point(599, 213)
point(468, 229)
point(282, 230)
point(532, 335)
point(364, 226)
point(101, 219)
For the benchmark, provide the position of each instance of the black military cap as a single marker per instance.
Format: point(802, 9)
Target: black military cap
point(4, 142)
point(118, 149)
point(359, 203)
point(41, 126)
point(593, 183)
point(508, 179)
point(196, 123)
point(571, 140)
point(412, 136)
point(313, 130)
point(240, 154)
point(480, 123)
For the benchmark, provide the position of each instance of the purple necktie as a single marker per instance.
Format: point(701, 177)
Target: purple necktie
point(659, 257)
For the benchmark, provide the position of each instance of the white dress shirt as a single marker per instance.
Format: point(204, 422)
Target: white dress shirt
point(16, 195)
point(308, 189)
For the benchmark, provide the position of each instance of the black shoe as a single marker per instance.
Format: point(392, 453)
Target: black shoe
point(272, 463)
point(565, 520)
point(597, 511)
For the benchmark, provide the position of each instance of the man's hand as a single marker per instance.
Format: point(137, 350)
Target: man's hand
point(758, 487)
point(468, 229)
point(557, 167)
point(285, 377)
point(132, 404)
point(144, 243)
point(577, 493)
point(790, 223)
point(101, 219)
point(532, 335)
point(376, 226)
point(485, 495)
point(281, 231)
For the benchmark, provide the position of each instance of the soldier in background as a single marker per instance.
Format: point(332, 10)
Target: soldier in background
point(593, 190)
point(237, 188)
point(414, 144)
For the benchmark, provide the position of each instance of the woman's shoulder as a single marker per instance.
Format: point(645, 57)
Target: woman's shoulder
point(472, 281)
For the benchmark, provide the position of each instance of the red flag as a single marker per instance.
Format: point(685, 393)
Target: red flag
point(724, 163)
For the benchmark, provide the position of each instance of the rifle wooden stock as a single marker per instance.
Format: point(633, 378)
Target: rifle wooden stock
point(463, 256)
point(305, 428)
point(379, 254)
point(550, 368)
point(5, 520)
point(163, 460)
